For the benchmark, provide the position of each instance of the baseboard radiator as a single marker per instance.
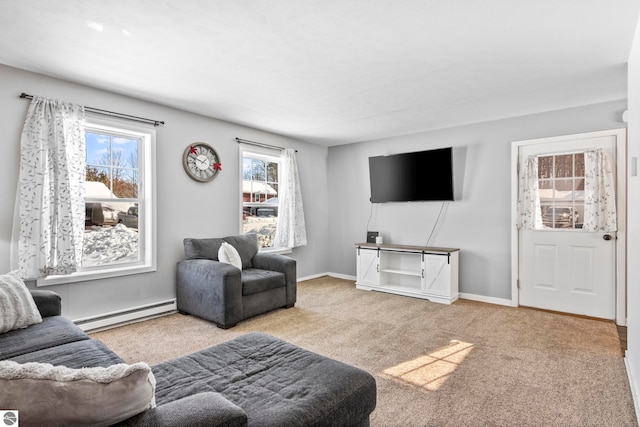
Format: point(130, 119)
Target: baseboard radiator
point(119, 317)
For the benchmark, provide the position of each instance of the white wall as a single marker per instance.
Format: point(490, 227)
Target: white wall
point(478, 222)
point(185, 208)
point(633, 224)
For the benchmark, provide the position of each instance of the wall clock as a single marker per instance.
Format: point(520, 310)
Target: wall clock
point(201, 162)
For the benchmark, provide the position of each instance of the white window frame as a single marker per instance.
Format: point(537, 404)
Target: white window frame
point(147, 212)
point(271, 155)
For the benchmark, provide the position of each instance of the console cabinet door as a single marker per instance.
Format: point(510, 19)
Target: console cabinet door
point(368, 268)
point(437, 275)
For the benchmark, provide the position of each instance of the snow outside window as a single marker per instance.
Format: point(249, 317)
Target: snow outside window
point(260, 183)
point(119, 236)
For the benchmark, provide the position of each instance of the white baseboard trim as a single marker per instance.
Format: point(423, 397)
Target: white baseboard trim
point(342, 276)
point(313, 276)
point(634, 392)
point(120, 317)
point(336, 275)
point(490, 300)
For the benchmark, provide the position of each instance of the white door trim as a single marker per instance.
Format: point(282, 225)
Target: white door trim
point(621, 206)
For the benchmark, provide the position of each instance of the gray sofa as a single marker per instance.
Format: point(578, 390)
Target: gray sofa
point(224, 294)
point(252, 380)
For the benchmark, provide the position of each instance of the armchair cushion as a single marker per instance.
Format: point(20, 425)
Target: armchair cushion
point(202, 248)
point(255, 280)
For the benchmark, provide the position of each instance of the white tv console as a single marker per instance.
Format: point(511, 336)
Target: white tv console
point(414, 271)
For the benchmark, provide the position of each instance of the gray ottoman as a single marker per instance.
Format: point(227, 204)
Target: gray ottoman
point(264, 381)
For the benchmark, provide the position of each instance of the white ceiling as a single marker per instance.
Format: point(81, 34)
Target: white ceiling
point(332, 71)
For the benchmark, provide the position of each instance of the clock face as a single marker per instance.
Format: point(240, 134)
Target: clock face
point(201, 162)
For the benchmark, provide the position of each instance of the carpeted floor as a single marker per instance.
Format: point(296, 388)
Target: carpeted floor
point(466, 364)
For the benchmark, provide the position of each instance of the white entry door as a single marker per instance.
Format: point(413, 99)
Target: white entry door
point(561, 266)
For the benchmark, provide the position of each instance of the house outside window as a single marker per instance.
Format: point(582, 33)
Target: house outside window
point(119, 236)
point(260, 183)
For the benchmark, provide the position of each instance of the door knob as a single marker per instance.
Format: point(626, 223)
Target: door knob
point(607, 237)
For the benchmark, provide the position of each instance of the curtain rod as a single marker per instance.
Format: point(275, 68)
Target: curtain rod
point(259, 144)
point(110, 113)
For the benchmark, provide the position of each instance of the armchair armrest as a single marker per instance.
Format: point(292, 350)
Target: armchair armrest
point(282, 264)
point(49, 303)
point(202, 409)
point(211, 290)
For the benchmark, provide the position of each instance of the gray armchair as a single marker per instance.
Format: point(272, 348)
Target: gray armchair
point(224, 294)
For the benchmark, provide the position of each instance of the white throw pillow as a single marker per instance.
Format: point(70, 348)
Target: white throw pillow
point(17, 307)
point(228, 254)
point(49, 395)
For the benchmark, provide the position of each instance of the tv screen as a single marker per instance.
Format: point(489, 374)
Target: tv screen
point(411, 177)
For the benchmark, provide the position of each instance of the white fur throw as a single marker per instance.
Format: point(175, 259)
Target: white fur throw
point(17, 308)
point(228, 254)
point(59, 396)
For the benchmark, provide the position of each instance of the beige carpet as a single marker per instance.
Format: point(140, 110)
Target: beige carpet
point(467, 364)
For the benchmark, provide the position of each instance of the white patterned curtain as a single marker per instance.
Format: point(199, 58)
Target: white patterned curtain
point(49, 219)
point(529, 214)
point(290, 231)
point(599, 193)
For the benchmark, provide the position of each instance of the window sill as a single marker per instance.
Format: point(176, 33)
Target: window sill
point(275, 250)
point(84, 276)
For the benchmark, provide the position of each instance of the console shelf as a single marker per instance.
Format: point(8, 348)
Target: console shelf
point(416, 271)
point(405, 272)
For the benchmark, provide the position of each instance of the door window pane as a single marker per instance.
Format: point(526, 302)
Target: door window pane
point(545, 167)
point(561, 190)
point(563, 166)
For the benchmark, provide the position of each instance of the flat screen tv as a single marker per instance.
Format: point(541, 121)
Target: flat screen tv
point(412, 177)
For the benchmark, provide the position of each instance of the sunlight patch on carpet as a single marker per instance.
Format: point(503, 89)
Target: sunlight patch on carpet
point(432, 370)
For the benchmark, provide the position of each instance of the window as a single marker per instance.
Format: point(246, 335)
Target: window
point(119, 203)
point(561, 190)
point(260, 175)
